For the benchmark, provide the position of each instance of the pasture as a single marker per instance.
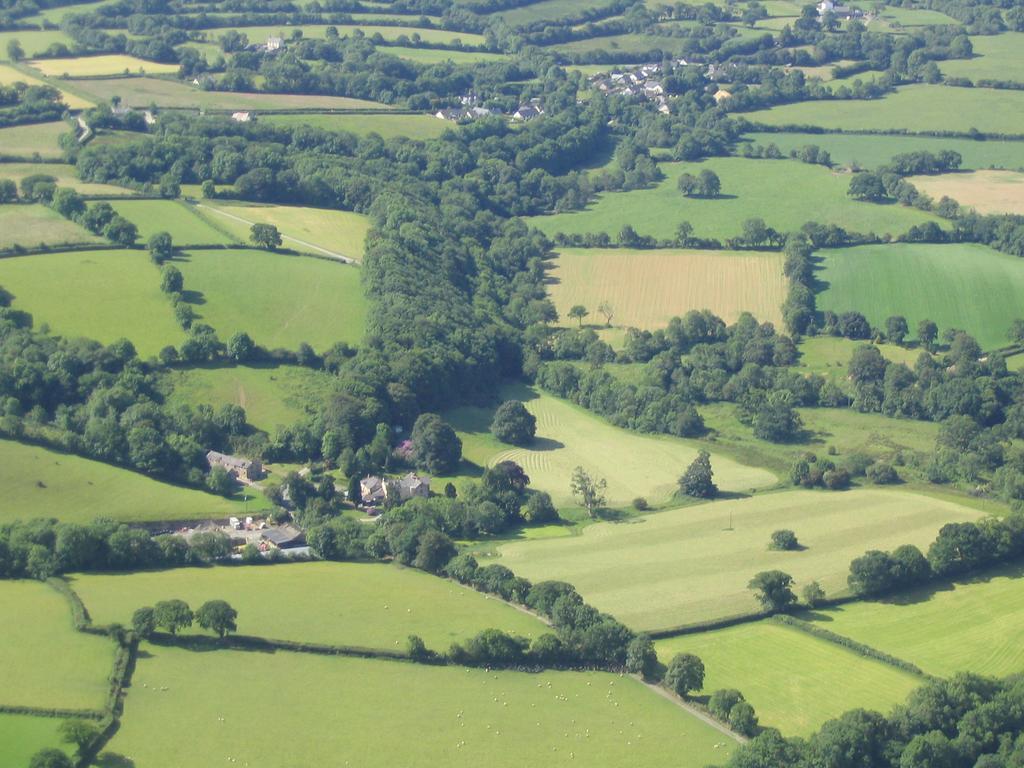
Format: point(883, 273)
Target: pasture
point(24, 735)
point(871, 151)
point(996, 57)
point(63, 173)
point(437, 55)
point(35, 225)
point(910, 108)
point(648, 288)
point(794, 681)
point(639, 44)
point(93, 66)
point(568, 436)
point(964, 286)
point(40, 483)
point(47, 664)
point(448, 716)
point(25, 141)
point(785, 193)
point(271, 397)
point(319, 231)
point(279, 300)
point(984, 191)
point(56, 15)
point(688, 565)
point(546, 10)
point(33, 42)
point(101, 295)
point(9, 75)
point(972, 626)
point(260, 34)
point(141, 92)
point(895, 18)
point(173, 217)
point(386, 126)
point(370, 605)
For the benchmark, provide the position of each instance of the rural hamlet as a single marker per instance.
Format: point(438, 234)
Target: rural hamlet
point(553, 383)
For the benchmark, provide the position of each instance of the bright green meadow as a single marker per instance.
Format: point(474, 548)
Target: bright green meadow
point(171, 216)
point(24, 735)
point(24, 141)
point(388, 126)
point(996, 57)
point(35, 225)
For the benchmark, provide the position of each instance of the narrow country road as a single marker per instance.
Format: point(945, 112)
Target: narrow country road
point(332, 254)
point(703, 717)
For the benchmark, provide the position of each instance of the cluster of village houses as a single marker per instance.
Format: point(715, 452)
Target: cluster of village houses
point(470, 109)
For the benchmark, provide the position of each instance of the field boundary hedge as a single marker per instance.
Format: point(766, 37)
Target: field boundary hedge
point(253, 643)
point(820, 130)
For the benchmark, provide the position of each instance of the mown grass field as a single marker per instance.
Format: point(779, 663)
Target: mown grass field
point(318, 231)
point(996, 57)
point(625, 43)
point(972, 626)
point(63, 173)
point(141, 92)
point(634, 464)
point(435, 55)
point(48, 664)
point(40, 483)
point(35, 225)
point(23, 735)
point(91, 66)
point(648, 288)
point(9, 75)
point(271, 397)
point(896, 17)
point(173, 217)
point(685, 566)
point(27, 140)
point(785, 193)
point(388, 126)
point(985, 191)
point(911, 108)
point(444, 715)
point(794, 681)
point(868, 151)
point(957, 286)
point(33, 42)
point(279, 300)
point(101, 295)
point(362, 604)
point(259, 34)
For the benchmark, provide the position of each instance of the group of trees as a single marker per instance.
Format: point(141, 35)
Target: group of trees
point(174, 615)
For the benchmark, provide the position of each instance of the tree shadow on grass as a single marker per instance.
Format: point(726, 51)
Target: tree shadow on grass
point(193, 297)
point(113, 760)
point(544, 444)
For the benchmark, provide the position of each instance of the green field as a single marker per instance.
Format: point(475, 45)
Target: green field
point(55, 15)
point(867, 151)
point(911, 108)
point(686, 566)
point(32, 226)
point(625, 43)
point(33, 42)
point(785, 193)
point(271, 397)
point(360, 604)
point(436, 55)
point(48, 664)
point(546, 10)
point(388, 126)
point(40, 483)
point(318, 231)
point(794, 681)
point(279, 300)
point(172, 216)
point(445, 716)
point(259, 34)
point(963, 286)
point(91, 66)
point(647, 288)
point(971, 627)
point(23, 735)
point(634, 464)
point(65, 175)
point(27, 140)
point(996, 57)
point(101, 295)
point(829, 355)
point(895, 18)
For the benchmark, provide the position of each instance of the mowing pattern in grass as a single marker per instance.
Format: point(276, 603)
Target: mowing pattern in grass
point(271, 397)
point(102, 295)
point(22, 736)
point(27, 140)
point(958, 286)
point(869, 151)
point(279, 300)
point(87, 66)
point(362, 604)
point(985, 191)
point(319, 231)
point(794, 681)
point(972, 627)
point(785, 193)
point(648, 288)
point(173, 216)
point(48, 664)
point(444, 715)
point(34, 225)
point(39, 483)
point(388, 126)
point(996, 57)
point(65, 174)
point(686, 566)
point(911, 108)
point(568, 436)
point(10, 75)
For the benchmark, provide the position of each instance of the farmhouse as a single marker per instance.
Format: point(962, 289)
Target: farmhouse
point(376, 490)
point(274, 44)
point(242, 117)
point(244, 470)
